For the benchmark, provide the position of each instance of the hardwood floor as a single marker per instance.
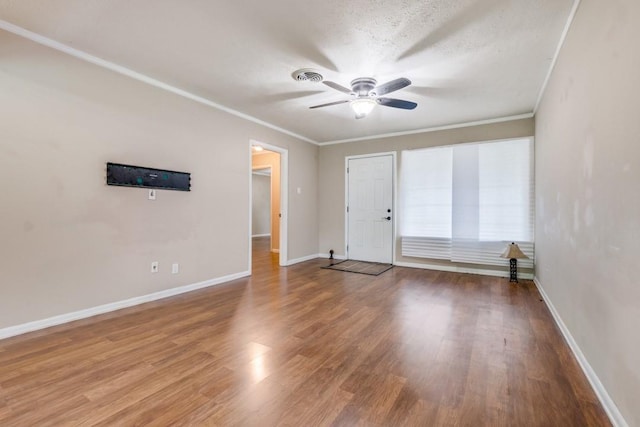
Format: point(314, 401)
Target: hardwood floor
point(303, 346)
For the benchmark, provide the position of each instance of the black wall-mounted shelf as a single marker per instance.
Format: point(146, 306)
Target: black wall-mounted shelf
point(136, 176)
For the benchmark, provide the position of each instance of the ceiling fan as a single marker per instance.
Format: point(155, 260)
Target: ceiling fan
point(366, 95)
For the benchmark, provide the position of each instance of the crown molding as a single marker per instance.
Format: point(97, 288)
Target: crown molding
point(552, 66)
point(45, 41)
point(431, 129)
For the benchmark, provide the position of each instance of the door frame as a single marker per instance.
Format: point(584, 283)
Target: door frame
point(284, 200)
point(394, 169)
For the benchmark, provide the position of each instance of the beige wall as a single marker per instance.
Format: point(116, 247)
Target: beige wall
point(332, 174)
point(70, 242)
point(260, 204)
point(271, 160)
point(588, 187)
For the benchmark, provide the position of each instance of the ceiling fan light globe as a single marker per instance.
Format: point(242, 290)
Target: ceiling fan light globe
point(362, 106)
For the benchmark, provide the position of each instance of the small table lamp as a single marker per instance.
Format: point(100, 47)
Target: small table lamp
point(514, 253)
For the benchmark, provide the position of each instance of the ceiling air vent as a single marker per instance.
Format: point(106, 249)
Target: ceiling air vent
point(307, 75)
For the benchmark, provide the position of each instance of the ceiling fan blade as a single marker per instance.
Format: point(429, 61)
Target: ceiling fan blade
point(397, 103)
point(391, 86)
point(331, 103)
point(336, 86)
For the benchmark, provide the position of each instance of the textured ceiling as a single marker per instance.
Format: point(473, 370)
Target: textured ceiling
point(469, 60)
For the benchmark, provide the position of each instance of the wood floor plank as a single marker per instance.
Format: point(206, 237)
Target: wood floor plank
point(307, 346)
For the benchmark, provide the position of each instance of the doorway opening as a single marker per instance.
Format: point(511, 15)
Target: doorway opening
point(268, 204)
point(261, 206)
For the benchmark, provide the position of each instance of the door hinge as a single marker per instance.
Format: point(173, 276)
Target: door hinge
point(347, 208)
point(347, 170)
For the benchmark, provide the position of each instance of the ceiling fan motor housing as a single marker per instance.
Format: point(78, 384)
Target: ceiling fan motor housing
point(363, 86)
point(366, 95)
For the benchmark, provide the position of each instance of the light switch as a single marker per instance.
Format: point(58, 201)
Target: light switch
point(152, 194)
point(299, 190)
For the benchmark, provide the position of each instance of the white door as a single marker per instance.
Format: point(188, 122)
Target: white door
point(369, 209)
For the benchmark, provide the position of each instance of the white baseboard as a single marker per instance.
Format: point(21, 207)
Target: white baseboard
point(88, 312)
point(610, 407)
point(456, 269)
point(302, 259)
point(261, 235)
point(334, 256)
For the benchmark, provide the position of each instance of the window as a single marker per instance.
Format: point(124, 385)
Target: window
point(426, 176)
point(464, 202)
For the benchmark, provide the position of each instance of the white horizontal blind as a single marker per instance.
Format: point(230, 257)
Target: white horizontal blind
point(426, 193)
point(426, 247)
point(506, 209)
point(487, 252)
point(486, 190)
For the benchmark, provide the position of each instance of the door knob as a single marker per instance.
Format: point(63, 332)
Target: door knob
point(388, 218)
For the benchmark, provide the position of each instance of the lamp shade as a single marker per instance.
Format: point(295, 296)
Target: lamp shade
point(362, 106)
point(513, 251)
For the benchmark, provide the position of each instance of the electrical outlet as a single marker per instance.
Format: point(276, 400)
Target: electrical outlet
point(154, 266)
point(152, 194)
point(175, 268)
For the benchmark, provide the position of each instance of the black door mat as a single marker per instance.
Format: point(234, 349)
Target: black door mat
point(362, 267)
